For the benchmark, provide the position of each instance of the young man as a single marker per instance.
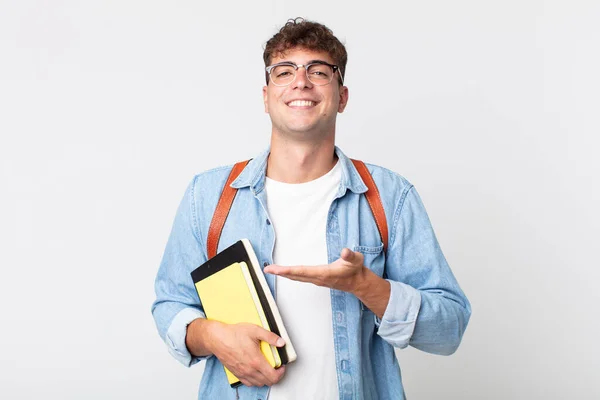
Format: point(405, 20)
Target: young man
point(345, 300)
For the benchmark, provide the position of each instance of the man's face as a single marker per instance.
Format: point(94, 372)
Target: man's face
point(303, 109)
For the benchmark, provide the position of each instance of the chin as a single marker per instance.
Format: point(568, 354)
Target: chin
point(304, 126)
point(302, 129)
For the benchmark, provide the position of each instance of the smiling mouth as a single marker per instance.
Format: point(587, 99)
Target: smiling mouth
point(301, 103)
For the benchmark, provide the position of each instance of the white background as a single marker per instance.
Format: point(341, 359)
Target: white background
point(107, 110)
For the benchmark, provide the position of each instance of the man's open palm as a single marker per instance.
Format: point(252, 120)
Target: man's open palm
point(343, 274)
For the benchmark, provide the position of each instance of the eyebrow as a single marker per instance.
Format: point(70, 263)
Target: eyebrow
point(310, 62)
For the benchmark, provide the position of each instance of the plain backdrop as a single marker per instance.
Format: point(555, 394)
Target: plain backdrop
point(109, 108)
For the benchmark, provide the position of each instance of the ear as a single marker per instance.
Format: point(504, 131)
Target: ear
point(343, 99)
point(265, 98)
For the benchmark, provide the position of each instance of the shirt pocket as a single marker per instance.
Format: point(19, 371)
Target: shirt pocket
point(375, 261)
point(374, 257)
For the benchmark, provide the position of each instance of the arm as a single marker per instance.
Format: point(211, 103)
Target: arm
point(420, 303)
point(177, 304)
point(427, 308)
point(181, 321)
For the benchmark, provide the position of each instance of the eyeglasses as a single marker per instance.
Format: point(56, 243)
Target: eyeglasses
point(319, 73)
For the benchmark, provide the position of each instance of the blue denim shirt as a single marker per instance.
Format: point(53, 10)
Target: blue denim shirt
point(427, 309)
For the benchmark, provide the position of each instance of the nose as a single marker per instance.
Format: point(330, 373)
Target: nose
point(301, 81)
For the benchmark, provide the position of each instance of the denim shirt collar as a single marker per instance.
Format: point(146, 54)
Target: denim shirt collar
point(253, 175)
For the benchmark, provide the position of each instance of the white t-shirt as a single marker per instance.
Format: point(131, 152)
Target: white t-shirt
point(298, 213)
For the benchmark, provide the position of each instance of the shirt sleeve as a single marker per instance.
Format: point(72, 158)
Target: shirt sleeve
point(427, 308)
point(177, 303)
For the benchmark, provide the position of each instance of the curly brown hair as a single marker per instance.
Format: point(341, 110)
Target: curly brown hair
point(309, 35)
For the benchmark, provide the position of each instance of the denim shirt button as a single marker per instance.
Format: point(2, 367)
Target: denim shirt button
point(268, 223)
point(265, 264)
point(345, 365)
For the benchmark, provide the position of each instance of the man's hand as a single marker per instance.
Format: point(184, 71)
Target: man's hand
point(346, 273)
point(237, 346)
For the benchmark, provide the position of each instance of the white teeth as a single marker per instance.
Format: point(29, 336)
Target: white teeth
point(301, 103)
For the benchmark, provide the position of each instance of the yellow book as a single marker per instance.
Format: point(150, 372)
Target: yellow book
point(229, 296)
point(225, 297)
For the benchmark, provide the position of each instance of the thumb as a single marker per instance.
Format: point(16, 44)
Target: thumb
point(269, 337)
point(348, 255)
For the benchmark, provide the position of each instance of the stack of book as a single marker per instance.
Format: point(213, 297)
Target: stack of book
point(233, 289)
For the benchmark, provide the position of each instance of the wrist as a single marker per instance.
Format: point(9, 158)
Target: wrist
point(373, 291)
point(200, 337)
point(362, 282)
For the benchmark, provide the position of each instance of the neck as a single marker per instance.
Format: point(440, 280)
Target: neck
point(293, 162)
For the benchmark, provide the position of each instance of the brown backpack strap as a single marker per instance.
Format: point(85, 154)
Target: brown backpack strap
point(228, 194)
point(374, 201)
point(222, 210)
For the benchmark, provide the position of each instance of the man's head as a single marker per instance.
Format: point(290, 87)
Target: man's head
point(305, 65)
point(300, 33)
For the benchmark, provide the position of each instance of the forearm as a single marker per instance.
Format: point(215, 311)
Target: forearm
point(373, 291)
point(200, 337)
point(441, 323)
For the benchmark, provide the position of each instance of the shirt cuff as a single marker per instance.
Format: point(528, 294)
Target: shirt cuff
point(175, 337)
point(400, 316)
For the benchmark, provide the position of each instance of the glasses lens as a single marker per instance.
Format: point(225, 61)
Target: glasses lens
point(283, 74)
point(320, 74)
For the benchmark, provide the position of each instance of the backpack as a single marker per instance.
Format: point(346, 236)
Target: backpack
point(228, 195)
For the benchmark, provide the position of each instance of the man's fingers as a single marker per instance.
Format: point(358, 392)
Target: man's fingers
point(277, 374)
point(268, 336)
point(271, 376)
point(248, 375)
point(347, 254)
point(260, 377)
point(296, 271)
point(258, 373)
point(351, 256)
point(280, 371)
point(241, 354)
point(246, 382)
